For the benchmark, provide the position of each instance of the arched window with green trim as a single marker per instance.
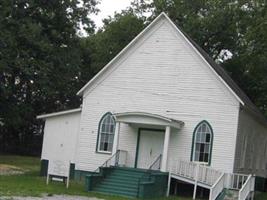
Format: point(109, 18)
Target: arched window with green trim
point(106, 131)
point(202, 143)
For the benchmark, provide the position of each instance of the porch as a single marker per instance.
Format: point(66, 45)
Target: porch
point(153, 137)
point(114, 178)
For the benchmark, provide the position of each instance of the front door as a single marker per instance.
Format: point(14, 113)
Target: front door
point(150, 147)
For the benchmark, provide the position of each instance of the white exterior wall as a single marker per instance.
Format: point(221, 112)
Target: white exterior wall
point(160, 74)
point(251, 147)
point(60, 137)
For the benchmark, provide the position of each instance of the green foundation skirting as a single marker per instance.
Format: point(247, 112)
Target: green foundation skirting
point(260, 184)
point(44, 167)
point(80, 175)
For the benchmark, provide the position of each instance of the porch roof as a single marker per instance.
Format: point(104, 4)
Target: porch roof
point(144, 118)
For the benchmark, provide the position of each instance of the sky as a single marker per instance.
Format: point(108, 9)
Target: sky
point(107, 8)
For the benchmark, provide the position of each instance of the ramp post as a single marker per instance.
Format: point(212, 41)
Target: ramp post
point(169, 184)
point(196, 177)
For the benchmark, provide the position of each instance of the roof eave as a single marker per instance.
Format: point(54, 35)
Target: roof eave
point(55, 114)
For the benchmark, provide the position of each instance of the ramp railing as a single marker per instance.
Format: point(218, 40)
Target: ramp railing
point(247, 188)
point(217, 188)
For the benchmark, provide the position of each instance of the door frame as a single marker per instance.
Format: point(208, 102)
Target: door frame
point(138, 141)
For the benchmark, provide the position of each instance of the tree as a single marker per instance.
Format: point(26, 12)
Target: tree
point(39, 64)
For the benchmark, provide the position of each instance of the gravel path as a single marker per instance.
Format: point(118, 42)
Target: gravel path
point(54, 197)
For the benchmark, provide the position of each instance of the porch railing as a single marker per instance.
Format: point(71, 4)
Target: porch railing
point(236, 181)
point(208, 175)
point(196, 172)
point(185, 169)
point(117, 159)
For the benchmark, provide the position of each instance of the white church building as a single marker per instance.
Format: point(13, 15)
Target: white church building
point(160, 114)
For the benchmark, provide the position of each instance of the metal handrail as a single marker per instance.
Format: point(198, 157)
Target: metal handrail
point(158, 160)
point(106, 163)
point(149, 170)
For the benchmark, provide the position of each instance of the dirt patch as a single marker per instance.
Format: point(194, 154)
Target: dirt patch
point(10, 170)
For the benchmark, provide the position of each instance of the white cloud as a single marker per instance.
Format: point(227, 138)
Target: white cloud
point(107, 8)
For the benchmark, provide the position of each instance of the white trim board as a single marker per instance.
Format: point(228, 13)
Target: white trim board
point(44, 116)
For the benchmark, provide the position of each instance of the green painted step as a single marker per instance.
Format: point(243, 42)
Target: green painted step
point(119, 184)
point(129, 172)
point(130, 176)
point(123, 182)
point(114, 187)
point(126, 182)
point(116, 192)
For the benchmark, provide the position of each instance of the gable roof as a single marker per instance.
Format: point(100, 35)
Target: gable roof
point(219, 71)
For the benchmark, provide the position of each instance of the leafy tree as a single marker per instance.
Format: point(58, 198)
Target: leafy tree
point(39, 64)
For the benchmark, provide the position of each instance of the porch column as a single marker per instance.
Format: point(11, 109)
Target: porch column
point(116, 138)
point(165, 149)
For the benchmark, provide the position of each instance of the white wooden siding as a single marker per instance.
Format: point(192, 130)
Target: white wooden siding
point(161, 74)
point(60, 137)
point(251, 146)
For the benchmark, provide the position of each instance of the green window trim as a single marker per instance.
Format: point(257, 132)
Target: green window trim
point(99, 132)
point(211, 140)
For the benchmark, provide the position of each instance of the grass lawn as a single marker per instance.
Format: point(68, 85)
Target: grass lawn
point(30, 184)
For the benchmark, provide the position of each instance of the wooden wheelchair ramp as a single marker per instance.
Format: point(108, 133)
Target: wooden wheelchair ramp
point(216, 181)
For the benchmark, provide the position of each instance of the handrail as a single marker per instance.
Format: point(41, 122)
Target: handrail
point(149, 170)
point(158, 160)
point(108, 163)
point(217, 187)
point(246, 188)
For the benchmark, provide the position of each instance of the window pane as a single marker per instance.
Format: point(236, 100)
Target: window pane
point(206, 157)
point(101, 145)
point(207, 148)
point(197, 156)
point(202, 147)
point(208, 138)
point(198, 147)
point(110, 147)
point(110, 139)
point(203, 137)
point(201, 157)
point(203, 128)
point(105, 146)
point(198, 137)
point(112, 128)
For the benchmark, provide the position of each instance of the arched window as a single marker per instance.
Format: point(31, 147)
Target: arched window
point(106, 132)
point(202, 143)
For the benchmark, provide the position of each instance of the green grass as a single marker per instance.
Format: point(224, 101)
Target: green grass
point(30, 184)
point(261, 196)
